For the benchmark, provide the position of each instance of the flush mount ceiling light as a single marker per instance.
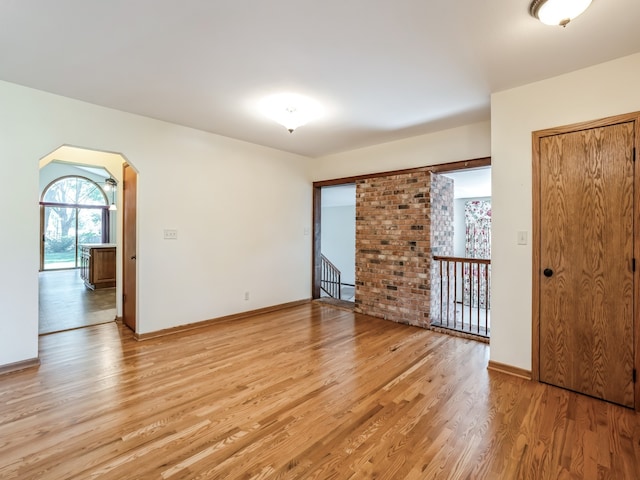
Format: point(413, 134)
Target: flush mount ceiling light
point(558, 12)
point(290, 109)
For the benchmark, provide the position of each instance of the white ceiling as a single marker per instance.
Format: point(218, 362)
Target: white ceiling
point(384, 70)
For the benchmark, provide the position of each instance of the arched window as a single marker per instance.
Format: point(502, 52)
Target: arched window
point(75, 211)
point(74, 190)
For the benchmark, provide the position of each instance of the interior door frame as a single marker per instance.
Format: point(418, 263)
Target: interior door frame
point(129, 283)
point(536, 235)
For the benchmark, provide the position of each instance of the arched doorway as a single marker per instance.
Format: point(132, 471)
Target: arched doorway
point(80, 200)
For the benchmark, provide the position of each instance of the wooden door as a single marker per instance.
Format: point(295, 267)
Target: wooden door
point(586, 286)
point(129, 247)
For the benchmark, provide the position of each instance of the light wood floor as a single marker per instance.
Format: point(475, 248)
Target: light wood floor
point(66, 303)
point(311, 392)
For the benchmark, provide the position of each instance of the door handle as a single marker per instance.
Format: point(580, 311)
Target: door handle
point(133, 257)
point(547, 272)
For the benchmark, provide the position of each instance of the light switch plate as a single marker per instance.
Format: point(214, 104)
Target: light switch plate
point(522, 238)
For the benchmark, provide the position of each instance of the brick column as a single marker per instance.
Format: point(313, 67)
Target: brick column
point(393, 258)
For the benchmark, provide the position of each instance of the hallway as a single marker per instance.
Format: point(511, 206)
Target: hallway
point(65, 303)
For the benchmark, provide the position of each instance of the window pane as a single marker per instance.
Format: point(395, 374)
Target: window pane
point(59, 237)
point(89, 193)
point(75, 191)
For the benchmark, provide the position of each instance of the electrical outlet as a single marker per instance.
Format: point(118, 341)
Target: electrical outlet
point(171, 234)
point(246, 295)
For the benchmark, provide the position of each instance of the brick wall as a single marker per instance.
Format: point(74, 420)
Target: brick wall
point(442, 201)
point(393, 260)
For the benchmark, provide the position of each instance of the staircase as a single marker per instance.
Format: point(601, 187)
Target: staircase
point(330, 280)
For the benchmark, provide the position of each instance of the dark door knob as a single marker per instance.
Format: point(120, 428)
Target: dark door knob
point(133, 257)
point(547, 272)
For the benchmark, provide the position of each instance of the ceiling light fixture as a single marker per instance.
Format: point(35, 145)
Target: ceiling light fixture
point(290, 109)
point(558, 12)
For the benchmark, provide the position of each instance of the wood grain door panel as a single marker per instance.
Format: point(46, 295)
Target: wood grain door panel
point(586, 234)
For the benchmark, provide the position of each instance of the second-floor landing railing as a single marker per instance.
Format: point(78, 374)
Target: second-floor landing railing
point(461, 290)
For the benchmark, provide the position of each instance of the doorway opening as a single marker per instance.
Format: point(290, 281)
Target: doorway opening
point(461, 249)
point(80, 231)
point(393, 223)
point(338, 242)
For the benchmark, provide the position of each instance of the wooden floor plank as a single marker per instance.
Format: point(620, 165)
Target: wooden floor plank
point(308, 392)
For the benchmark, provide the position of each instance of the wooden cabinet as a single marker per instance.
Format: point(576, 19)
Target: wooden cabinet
point(98, 265)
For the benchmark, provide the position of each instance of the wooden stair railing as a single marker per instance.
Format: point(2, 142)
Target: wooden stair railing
point(330, 280)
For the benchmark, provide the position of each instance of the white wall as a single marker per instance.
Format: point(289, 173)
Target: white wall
point(338, 239)
point(240, 210)
point(463, 143)
point(603, 90)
